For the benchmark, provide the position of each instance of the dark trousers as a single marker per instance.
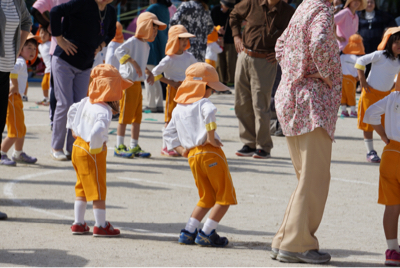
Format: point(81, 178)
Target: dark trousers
point(4, 91)
point(53, 101)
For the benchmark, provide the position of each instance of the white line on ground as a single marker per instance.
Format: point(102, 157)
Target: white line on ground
point(354, 181)
point(155, 182)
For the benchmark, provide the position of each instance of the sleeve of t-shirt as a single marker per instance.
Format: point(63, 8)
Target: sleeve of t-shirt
point(162, 66)
point(170, 135)
point(18, 68)
point(44, 51)
point(43, 5)
point(367, 59)
point(340, 16)
point(373, 114)
point(71, 115)
point(209, 111)
point(96, 135)
point(123, 52)
point(216, 48)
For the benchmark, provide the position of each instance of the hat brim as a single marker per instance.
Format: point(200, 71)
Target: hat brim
point(161, 25)
point(218, 86)
point(186, 35)
point(362, 6)
point(125, 83)
point(225, 3)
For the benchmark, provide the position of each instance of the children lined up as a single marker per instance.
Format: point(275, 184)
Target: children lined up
point(44, 49)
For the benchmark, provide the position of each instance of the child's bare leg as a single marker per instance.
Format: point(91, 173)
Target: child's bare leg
point(135, 131)
point(80, 209)
point(199, 213)
point(7, 143)
point(390, 226)
point(99, 210)
point(218, 212)
point(19, 144)
point(99, 204)
point(368, 135)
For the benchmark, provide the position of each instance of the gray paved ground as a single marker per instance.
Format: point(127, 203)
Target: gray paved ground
point(151, 200)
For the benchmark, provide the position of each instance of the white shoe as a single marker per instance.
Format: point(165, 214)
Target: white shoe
point(58, 155)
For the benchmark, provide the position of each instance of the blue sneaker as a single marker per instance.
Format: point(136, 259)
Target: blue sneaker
point(211, 240)
point(121, 151)
point(138, 152)
point(186, 237)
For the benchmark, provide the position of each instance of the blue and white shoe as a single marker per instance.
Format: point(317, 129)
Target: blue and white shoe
point(211, 240)
point(186, 237)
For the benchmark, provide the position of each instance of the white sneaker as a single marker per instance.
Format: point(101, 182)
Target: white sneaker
point(58, 155)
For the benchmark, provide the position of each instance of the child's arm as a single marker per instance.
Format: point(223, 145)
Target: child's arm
point(373, 117)
point(136, 66)
point(361, 66)
point(96, 135)
point(381, 131)
point(170, 135)
point(172, 83)
point(122, 53)
point(150, 76)
point(13, 86)
point(161, 68)
point(209, 110)
point(363, 81)
point(182, 151)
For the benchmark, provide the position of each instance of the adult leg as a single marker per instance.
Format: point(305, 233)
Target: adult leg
point(4, 91)
point(222, 67)
point(231, 59)
point(53, 101)
point(154, 93)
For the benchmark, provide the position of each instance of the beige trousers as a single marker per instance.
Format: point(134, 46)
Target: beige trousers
point(253, 86)
point(311, 158)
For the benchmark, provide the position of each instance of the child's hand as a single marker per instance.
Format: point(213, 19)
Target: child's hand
point(385, 139)
point(137, 67)
point(213, 142)
point(150, 78)
point(13, 90)
point(185, 153)
point(175, 84)
point(365, 86)
point(104, 147)
point(73, 134)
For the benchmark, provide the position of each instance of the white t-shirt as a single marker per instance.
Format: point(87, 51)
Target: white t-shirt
point(44, 50)
point(90, 122)
point(189, 123)
point(390, 106)
point(174, 66)
point(213, 49)
point(100, 57)
point(383, 70)
point(348, 61)
point(138, 51)
point(20, 72)
point(110, 57)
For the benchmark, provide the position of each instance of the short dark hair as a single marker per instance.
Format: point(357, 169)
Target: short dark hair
point(388, 48)
point(31, 41)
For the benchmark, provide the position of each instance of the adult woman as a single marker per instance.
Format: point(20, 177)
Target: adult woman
point(15, 24)
point(87, 26)
point(307, 102)
point(196, 18)
point(157, 53)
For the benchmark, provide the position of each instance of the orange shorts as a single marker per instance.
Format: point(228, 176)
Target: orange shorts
point(170, 104)
point(46, 81)
point(211, 62)
point(90, 171)
point(131, 105)
point(15, 117)
point(211, 174)
point(366, 100)
point(349, 90)
point(389, 175)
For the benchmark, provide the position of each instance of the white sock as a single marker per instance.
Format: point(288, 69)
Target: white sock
point(353, 109)
point(79, 210)
point(343, 108)
point(134, 143)
point(3, 153)
point(163, 140)
point(209, 226)
point(369, 143)
point(100, 217)
point(192, 225)
point(393, 244)
point(16, 153)
point(120, 140)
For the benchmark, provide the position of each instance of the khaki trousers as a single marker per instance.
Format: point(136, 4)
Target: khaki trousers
point(253, 86)
point(311, 158)
point(226, 64)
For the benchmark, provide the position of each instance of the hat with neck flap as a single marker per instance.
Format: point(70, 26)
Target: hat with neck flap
point(213, 36)
point(144, 26)
point(119, 37)
point(174, 33)
point(389, 32)
point(355, 45)
point(107, 84)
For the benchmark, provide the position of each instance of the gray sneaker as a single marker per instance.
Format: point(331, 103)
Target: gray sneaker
point(310, 256)
point(25, 159)
point(5, 161)
point(274, 253)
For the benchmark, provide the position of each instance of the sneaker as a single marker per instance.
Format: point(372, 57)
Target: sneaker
point(68, 155)
point(121, 151)
point(5, 161)
point(261, 154)
point(186, 237)
point(310, 256)
point(115, 117)
point(25, 159)
point(107, 231)
point(211, 240)
point(230, 84)
point(79, 228)
point(345, 114)
point(149, 110)
point(3, 216)
point(227, 92)
point(246, 151)
point(169, 153)
point(138, 152)
point(160, 110)
point(44, 102)
point(274, 253)
point(58, 155)
point(373, 157)
point(353, 114)
point(24, 98)
point(392, 258)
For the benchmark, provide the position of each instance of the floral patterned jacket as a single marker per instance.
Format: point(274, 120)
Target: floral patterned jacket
point(197, 21)
point(307, 46)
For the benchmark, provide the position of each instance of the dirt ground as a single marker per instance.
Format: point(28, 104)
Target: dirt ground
point(150, 200)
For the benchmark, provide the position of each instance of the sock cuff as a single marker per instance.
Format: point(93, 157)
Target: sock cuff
point(368, 140)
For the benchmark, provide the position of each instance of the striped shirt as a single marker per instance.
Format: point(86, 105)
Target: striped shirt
point(12, 21)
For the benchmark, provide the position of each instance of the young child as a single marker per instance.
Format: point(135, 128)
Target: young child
point(44, 49)
point(389, 178)
point(385, 66)
point(192, 133)
point(213, 49)
point(133, 56)
point(16, 129)
point(348, 59)
point(89, 121)
point(174, 65)
point(113, 45)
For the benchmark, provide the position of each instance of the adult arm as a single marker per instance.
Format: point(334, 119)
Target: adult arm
point(42, 19)
point(111, 29)
point(237, 16)
point(26, 23)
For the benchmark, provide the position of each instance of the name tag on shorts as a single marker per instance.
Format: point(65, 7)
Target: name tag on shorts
point(213, 164)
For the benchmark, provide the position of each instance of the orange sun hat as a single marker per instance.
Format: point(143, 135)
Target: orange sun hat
point(387, 35)
point(174, 33)
point(144, 26)
point(37, 38)
point(198, 76)
point(119, 37)
point(107, 84)
point(213, 36)
point(355, 45)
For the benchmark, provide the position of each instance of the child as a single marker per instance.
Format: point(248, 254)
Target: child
point(192, 133)
point(389, 178)
point(44, 50)
point(174, 65)
point(348, 59)
point(133, 56)
point(16, 129)
point(89, 121)
point(213, 49)
point(113, 45)
point(385, 66)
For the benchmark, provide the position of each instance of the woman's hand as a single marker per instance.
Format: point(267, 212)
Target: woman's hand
point(66, 45)
point(327, 80)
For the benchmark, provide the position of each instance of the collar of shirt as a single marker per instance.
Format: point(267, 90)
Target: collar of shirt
point(276, 8)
